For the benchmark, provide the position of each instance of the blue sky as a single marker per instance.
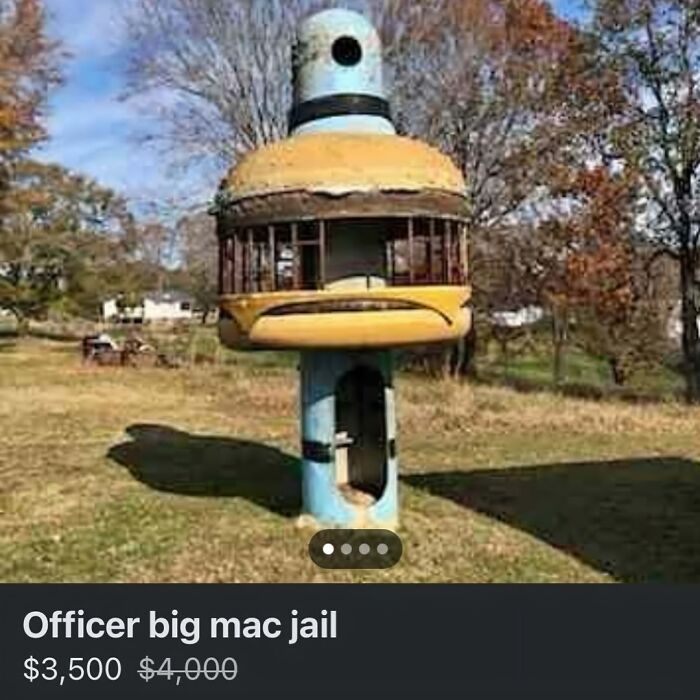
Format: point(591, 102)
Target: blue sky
point(94, 132)
point(91, 129)
point(572, 9)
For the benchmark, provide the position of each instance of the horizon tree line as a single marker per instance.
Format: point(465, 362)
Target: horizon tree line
point(580, 144)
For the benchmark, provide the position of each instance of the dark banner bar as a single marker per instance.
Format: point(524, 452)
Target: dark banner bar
point(338, 106)
point(348, 641)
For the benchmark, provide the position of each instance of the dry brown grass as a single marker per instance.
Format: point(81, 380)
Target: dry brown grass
point(497, 486)
point(459, 407)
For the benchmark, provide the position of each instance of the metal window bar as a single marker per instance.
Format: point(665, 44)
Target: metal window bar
point(258, 263)
point(248, 271)
point(238, 263)
point(434, 277)
point(229, 263)
point(457, 253)
point(464, 253)
point(272, 258)
point(242, 255)
point(411, 257)
point(389, 261)
point(279, 236)
point(296, 276)
point(447, 251)
point(321, 254)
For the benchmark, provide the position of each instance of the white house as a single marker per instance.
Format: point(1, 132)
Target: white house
point(675, 324)
point(527, 316)
point(154, 307)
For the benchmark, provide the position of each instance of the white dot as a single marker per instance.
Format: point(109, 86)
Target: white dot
point(328, 548)
point(364, 549)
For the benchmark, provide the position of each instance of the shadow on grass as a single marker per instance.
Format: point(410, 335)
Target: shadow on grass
point(170, 460)
point(637, 520)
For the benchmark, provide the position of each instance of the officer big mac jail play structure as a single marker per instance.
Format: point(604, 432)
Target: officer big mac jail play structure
point(343, 242)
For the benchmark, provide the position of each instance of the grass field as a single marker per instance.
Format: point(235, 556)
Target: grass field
point(583, 374)
point(191, 475)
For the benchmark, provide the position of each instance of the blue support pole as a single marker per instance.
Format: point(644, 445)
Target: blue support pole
point(348, 420)
point(348, 427)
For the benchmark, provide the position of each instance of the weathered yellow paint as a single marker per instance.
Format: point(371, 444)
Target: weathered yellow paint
point(439, 315)
point(339, 163)
point(368, 329)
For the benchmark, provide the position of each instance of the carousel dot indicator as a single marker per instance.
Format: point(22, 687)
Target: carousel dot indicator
point(355, 549)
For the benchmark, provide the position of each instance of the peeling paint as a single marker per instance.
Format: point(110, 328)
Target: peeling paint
point(344, 161)
point(324, 499)
point(340, 163)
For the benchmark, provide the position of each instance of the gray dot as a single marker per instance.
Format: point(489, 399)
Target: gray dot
point(346, 549)
point(382, 549)
point(364, 549)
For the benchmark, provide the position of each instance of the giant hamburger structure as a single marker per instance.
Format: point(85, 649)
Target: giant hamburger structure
point(343, 242)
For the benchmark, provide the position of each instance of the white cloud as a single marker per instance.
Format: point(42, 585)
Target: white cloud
point(96, 134)
point(87, 27)
point(91, 130)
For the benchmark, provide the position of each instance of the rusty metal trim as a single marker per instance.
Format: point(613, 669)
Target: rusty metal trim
point(297, 206)
point(351, 306)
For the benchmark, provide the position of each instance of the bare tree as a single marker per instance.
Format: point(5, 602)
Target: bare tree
point(655, 47)
point(480, 79)
point(197, 234)
point(219, 72)
point(504, 87)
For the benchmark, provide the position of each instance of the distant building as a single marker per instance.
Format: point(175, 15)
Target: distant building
point(674, 328)
point(154, 307)
point(527, 316)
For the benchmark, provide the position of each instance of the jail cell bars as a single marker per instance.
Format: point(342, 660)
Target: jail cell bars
point(291, 257)
point(433, 252)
